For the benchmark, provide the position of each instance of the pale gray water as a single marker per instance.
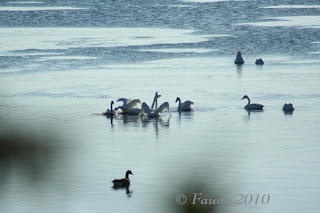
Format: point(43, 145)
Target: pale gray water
point(63, 61)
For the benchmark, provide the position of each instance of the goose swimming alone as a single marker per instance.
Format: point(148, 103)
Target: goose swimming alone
point(239, 59)
point(252, 106)
point(185, 106)
point(125, 182)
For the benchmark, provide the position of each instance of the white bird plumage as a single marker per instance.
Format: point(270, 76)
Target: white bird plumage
point(252, 106)
point(128, 103)
point(145, 109)
point(185, 106)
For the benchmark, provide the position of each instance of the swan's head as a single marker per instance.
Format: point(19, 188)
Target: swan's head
point(239, 53)
point(157, 96)
point(178, 99)
point(129, 172)
point(137, 100)
point(112, 102)
point(245, 97)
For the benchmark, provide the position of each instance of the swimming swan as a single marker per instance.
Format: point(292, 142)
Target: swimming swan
point(185, 106)
point(239, 59)
point(252, 106)
point(128, 103)
point(125, 182)
point(145, 109)
point(288, 107)
point(110, 111)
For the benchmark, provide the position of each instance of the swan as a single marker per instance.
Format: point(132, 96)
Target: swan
point(288, 107)
point(110, 111)
point(252, 106)
point(125, 182)
point(185, 106)
point(145, 109)
point(259, 61)
point(155, 100)
point(128, 103)
point(239, 59)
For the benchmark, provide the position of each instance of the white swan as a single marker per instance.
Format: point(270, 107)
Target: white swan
point(128, 103)
point(239, 59)
point(288, 107)
point(185, 106)
point(145, 109)
point(259, 61)
point(110, 111)
point(252, 106)
point(155, 100)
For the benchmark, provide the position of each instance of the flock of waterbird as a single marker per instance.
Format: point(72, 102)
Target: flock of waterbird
point(129, 107)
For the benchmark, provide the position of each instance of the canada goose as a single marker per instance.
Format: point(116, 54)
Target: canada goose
point(125, 182)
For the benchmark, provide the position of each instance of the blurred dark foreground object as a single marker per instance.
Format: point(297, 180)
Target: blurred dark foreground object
point(25, 150)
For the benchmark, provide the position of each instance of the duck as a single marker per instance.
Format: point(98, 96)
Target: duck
point(110, 111)
point(125, 182)
point(288, 107)
point(145, 109)
point(185, 106)
point(252, 106)
point(259, 61)
point(239, 59)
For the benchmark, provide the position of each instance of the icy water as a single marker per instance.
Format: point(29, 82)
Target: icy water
point(62, 61)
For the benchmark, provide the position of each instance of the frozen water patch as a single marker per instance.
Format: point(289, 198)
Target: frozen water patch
point(210, 1)
point(27, 2)
point(12, 39)
point(289, 21)
point(293, 7)
point(180, 50)
point(38, 8)
point(66, 58)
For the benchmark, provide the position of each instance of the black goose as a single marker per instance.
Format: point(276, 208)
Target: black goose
point(125, 182)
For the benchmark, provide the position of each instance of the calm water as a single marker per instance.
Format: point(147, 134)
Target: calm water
point(62, 61)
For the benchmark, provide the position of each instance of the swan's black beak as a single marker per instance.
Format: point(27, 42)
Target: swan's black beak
point(242, 98)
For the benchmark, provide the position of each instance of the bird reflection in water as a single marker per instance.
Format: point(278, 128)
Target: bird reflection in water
point(126, 188)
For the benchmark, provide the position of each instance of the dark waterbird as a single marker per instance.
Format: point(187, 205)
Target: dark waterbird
point(125, 182)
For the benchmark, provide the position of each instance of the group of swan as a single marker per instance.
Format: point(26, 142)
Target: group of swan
point(239, 59)
point(129, 107)
point(288, 107)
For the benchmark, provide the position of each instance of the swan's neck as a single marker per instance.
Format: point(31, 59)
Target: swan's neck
point(248, 101)
point(127, 175)
point(155, 101)
point(179, 105)
point(111, 106)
